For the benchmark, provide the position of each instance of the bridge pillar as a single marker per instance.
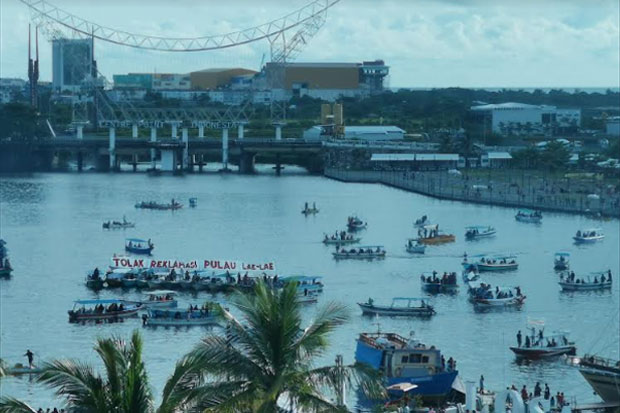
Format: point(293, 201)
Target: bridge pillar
point(80, 161)
point(153, 150)
point(246, 163)
point(240, 131)
point(225, 150)
point(278, 132)
point(134, 131)
point(80, 132)
point(185, 156)
point(174, 131)
point(112, 148)
point(201, 131)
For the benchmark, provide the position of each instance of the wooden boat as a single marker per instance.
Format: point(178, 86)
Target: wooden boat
point(544, 346)
point(401, 306)
point(118, 224)
point(491, 263)
point(355, 224)
point(180, 318)
point(154, 205)
point(444, 284)
point(414, 246)
point(5, 265)
point(479, 231)
point(600, 280)
point(347, 240)
point(431, 235)
point(102, 310)
point(588, 235)
point(529, 216)
point(139, 246)
point(561, 261)
point(367, 252)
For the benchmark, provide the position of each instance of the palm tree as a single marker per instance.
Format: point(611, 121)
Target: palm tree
point(264, 362)
point(124, 389)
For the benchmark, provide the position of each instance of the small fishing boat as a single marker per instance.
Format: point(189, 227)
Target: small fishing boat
point(173, 205)
point(102, 310)
point(18, 369)
point(118, 224)
point(305, 284)
point(541, 346)
point(310, 211)
point(589, 235)
point(600, 280)
point(340, 238)
point(483, 296)
point(414, 246)
point(526, 215)
point(354, 223)
point(421, 222)
point(479, 231)
point(431, 235)
point(307, 298)
point(367, 252)
point(205, 316)
point(470, 274)
point(561, 261)
point(401, 306)
point(485, 262)
point(139, 246)
point(444, 284)
point(5, 265)
point(403, 360)
point(159, 299)
point(193, 202)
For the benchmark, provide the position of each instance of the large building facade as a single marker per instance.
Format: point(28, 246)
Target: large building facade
point(72, 64)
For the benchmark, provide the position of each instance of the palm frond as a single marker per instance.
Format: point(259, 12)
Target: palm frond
point(137, 394)
point(12, 405)
point(313, 341)
point(359, 375)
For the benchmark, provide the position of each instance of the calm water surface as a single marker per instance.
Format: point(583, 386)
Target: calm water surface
point(52, 223)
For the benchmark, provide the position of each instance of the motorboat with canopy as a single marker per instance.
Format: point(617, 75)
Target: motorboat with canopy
point(160, 299)
point(139, 246)
point(367, 252)
point(484, 296)
point(340, 238)
point(588, 235)
point(540, 345)
point(598, 280)
point(102, 310)
point(415, 247)
point(497, 262)
point(445, 283)
point(529, 216)
point(561, 261)
point(401, 306)
point(479, 231)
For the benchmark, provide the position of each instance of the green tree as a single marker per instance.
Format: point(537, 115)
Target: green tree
point(555, 156)
point(20, 122)
point(264, 361)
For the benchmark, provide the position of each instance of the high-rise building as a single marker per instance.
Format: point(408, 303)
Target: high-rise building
point(72, 63)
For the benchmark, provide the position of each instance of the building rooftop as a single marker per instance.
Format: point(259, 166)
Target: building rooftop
point(222, 69)
point(398, 157)
point(373, 129)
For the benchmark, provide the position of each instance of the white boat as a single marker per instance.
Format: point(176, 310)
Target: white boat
point(341, 239)
point(305, 283)
point(589, 235)
point(484, 296)
point(414, 246)
point(526, 215)
point(180, 318)
point(102, 310)
point(600, 280)
point(485, 262)
point(561, 261)
point(118, 224)
point(420, 222)
point(479, 231)
point(354, 223)
point(444, 284)
point(159, 299)
point(401, 306)
point(367, 252)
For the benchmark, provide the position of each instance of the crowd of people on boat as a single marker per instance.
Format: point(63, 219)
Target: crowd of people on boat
point(339, 236)
point(585, 234)
point(165, 297)
point(361, 251)
point(193, 311)
point(538, 340)
point(449, 365)
point(571, 278)
point(101, 309)
point(112, 224)
point(422, 221)
point(448, 278)
point(155, 205)
point(50, 410)
point(485, 291)
point(428, 233)
point(533, 214)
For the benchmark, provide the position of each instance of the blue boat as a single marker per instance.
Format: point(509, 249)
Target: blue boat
point(139, 246)
point(305, 284)
point(404, 360)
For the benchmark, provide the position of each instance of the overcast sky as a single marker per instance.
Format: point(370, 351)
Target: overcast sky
point(426, 43)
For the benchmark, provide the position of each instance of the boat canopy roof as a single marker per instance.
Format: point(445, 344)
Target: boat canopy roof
point(496, 256)
point(160, 292)
point(404, 387)
point(562, 254)
point(134, 240)
point(105, 301)
point(369, 246)
point(300, 278)
point(410, 299)
point(527, 211)
point(591, 229)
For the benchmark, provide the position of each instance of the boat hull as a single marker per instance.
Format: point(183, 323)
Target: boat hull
point(416, 250)
point(497, 267)
point(180, 322)
point(582, 240)
point(436, 385)
point(480, 235)
point(356, 256)
point(143, 251)
point(439, 288)
point(116, 315)
point(530, 220)
point(395, 312)
point(496, 303)
point(442, 239)
point(584, 286)
point(543, 352)
point(341, 241)
point(5, 272)
point(604, 383)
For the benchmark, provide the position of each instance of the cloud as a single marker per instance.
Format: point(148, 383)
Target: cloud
point(426, 43)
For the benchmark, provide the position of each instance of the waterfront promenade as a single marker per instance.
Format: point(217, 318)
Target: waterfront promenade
point(539, 193)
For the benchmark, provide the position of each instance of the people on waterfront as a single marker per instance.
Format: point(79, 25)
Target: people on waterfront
point(524, 394)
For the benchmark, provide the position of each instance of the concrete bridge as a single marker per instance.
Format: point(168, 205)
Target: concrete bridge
point(176, 154)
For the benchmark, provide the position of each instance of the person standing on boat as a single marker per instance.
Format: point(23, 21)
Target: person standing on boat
point(30, 356)
point(527, 341)
point(547, 393)
point(519, 336)
point(481, 384)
